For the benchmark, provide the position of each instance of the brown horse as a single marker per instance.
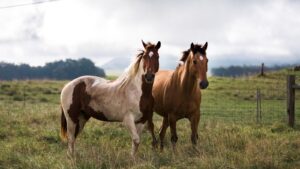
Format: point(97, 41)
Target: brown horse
point(128, 99)
point(177, 93)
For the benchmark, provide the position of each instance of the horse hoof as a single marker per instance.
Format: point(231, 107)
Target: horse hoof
point(194, 139)
point(154, 144)
point(133, 157)
point(161, 148)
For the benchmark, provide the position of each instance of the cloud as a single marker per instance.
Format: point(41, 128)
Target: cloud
point(256, 30)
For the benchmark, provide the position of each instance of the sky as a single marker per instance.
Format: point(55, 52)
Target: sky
point(237, 32)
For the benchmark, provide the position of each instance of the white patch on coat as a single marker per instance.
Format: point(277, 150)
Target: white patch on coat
point(99, 81)
point(115, 102)
point(66, 99)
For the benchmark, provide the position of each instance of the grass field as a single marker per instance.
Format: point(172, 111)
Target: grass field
point(30, 124)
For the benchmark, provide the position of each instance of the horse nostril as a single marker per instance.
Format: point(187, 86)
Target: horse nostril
point(149, 77)
point(203, 84)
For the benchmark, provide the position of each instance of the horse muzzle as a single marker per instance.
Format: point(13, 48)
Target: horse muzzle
point(203, 84)
point(149, 77)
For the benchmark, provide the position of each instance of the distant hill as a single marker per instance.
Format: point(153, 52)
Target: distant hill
point(68, 69)
point(235, 71)
point(117, 65)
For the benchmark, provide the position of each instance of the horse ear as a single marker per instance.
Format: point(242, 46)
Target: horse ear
point(192, 46)
point(157, 46)
point(205, 46)
point(144, 44)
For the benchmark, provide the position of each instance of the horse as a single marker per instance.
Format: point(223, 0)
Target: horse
point(177, 95)
point(127, 99)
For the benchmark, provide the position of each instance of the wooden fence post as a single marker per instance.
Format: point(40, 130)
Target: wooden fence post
point(291, 99)
point(24, 96)
point(257, 106)
point(262, 70)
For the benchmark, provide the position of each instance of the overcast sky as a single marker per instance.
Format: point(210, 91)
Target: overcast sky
point(237, 32)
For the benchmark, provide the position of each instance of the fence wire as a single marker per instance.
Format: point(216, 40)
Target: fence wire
point(261, 105)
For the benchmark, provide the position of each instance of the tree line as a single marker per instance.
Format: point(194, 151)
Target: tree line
point(59, 70)
point(235, 71)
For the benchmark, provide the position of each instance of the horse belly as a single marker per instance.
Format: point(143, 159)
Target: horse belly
point(165, 106)
point(116, 109)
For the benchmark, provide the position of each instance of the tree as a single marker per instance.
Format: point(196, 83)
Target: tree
point(68, 69)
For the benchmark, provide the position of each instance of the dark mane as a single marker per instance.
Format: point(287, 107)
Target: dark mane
point(150, 45)
point(197, 48)
point(140, 54)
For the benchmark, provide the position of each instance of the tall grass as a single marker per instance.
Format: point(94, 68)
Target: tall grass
point(29, 135)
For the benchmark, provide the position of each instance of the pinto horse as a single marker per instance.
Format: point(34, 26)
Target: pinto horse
point(128, 99)
point(177, 93)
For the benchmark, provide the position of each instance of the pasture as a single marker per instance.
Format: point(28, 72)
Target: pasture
point(228, 138)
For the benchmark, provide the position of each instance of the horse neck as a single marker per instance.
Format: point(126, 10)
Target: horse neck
point(186, 80)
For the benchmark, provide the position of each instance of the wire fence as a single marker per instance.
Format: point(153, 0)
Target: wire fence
point(259, 105)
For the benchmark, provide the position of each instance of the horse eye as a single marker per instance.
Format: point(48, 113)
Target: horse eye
point(194, 61)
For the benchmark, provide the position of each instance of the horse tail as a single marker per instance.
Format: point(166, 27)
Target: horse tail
point(63, 129)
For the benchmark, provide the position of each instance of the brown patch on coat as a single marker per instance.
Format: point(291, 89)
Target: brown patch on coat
point(80, 106)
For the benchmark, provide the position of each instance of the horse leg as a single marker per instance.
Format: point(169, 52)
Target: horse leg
point(174, 137)
point(74, 126)
point(83, 118)
point(194, 120)
point(71, 130)
point(139, 128)
point(151, 130)
point(162, 132)
point(130, 124)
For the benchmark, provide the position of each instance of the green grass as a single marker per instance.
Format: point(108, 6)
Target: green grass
point(229, 136)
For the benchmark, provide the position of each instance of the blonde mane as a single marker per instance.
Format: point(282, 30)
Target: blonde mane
point(130, 72)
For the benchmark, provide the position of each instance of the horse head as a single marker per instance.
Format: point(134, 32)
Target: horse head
point(197, 61)
point(150, 61)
